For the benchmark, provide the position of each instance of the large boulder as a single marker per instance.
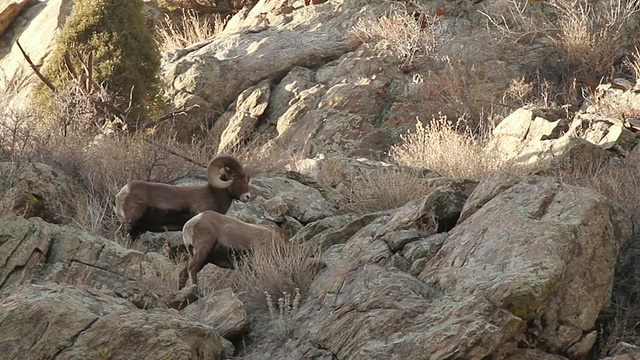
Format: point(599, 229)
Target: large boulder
point(542, 252)
point(223, 311)
point(66, 322)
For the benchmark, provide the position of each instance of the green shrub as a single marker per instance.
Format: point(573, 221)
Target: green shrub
point(124, 51)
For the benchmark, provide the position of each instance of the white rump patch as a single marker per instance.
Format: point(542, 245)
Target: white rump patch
point(187, 230)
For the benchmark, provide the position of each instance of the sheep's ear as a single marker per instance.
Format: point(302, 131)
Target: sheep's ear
point(225, 174)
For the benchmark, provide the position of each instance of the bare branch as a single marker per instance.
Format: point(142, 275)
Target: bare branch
point(35, 69)
point(172, 152)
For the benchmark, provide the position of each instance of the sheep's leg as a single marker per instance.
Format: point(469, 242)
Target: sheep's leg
point(182, 278)
point(198, 261)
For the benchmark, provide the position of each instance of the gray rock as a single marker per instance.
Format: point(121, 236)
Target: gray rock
point(223, 311)
point(76, 323)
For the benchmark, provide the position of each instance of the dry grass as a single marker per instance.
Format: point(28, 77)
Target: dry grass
point(384, 189)
point(191, 29)
point(275, 269)
point(272, 283)
point(449, 149)
point(588, 37)
point(401, 35)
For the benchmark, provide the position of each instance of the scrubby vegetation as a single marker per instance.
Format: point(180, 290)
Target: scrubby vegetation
point(75, 136)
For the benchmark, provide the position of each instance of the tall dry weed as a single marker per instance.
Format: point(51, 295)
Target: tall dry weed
point(190, 29)
point(384, 189)
point(401, 35)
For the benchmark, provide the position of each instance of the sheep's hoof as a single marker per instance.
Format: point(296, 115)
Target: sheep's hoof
point(180, 300)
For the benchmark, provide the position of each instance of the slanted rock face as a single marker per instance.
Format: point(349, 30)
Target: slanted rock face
point(9, 10)
point(35, 251)
point(68, 322)
point(533, 262)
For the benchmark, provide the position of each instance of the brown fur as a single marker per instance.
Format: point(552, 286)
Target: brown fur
point(214, 238)
point(148, 206)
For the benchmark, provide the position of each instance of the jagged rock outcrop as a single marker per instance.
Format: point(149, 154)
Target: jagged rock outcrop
point(546, 139)
point(533, 264)
point(329, 92)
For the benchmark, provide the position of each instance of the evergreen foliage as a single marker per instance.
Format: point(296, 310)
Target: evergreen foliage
point(125, 54)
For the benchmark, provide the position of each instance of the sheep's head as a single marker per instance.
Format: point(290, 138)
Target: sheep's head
point(226, 172)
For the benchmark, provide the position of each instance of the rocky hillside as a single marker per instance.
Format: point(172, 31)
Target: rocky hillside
point(426, 240)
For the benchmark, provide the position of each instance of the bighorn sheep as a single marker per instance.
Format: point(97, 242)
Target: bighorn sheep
point(213, 238)
point(147, 206)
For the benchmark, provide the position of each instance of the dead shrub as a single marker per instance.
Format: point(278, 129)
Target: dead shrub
point(590, 34)
point(449, 149)
point(384, 189)
point(275, 268)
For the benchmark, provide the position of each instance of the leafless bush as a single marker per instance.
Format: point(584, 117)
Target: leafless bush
point(590, 37)
point(401, 35)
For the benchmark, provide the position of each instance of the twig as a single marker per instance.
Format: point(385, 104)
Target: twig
point(172, 152)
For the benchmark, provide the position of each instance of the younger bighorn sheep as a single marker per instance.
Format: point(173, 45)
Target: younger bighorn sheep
point(214, 238)
point(148, 206)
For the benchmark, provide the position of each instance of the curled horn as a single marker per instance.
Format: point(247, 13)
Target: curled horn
point(219, 162)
